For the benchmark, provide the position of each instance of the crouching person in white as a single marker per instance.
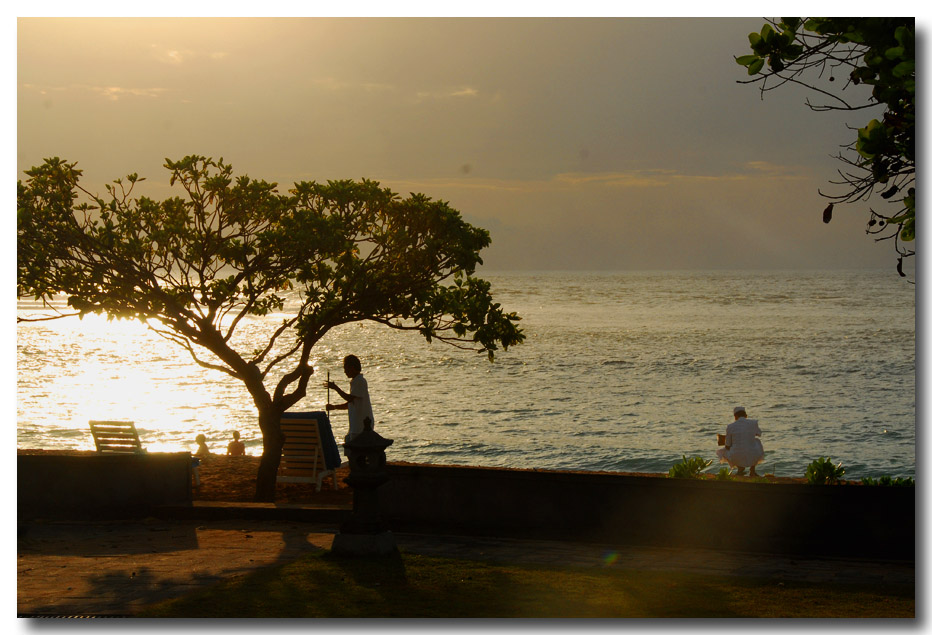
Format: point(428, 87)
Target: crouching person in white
point(743, 448)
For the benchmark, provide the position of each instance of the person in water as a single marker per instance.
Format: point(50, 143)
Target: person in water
point(236, 447)
point(202, 450)
point(358, 405)
point(743, 448)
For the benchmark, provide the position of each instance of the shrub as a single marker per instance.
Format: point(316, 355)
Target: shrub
point(689, 468)
point(823, 472)
point(886, 481)
point(724, 474)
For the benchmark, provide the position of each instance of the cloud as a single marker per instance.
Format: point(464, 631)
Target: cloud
point(448, 93)
point(777, 171)
point(43, 90)
point(115, 93)
point(172, 57)
point(637, 178)
point(465, 92)
point(442, 184)
point(752, 170)
point(176, 57)
point(568, 181)
point(559, 182)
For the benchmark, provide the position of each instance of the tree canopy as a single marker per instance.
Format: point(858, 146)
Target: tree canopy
point(877, 52)
point(192, 267)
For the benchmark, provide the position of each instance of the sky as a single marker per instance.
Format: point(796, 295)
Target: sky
point(579, 143)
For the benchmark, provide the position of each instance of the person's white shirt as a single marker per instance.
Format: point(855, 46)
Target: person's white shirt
point(742, 437)
point(359, 408)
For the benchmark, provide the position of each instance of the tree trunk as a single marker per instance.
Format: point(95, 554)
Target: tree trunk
point(272, 442)
point(270, 420)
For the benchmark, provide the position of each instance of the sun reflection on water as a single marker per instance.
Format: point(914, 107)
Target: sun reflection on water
point(119, 369)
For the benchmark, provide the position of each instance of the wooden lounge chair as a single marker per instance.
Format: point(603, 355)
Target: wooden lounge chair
point(308, 453)
point(116, 437)
point(121, 437)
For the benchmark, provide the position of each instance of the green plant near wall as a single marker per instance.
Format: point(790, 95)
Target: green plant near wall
point(724, 474)
point(887, 481)
point(823, 472)
point(689, 468)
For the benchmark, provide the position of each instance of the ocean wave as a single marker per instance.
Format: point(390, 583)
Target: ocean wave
point(617, 362)
point(591, 433)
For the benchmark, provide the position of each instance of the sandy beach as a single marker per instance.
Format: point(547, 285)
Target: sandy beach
point(233, 479)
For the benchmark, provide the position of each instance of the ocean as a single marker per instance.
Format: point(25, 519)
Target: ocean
point(621, 371)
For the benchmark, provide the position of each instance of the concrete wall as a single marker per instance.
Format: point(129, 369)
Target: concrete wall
point(63, 486)
point(841, 520)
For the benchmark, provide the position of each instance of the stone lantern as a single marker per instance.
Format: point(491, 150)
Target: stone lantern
point(364, 534)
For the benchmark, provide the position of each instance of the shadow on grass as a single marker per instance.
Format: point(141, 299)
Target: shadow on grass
point(408, 585)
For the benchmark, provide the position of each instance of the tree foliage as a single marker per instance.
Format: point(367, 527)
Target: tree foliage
point(877, 52)
point(193, 267)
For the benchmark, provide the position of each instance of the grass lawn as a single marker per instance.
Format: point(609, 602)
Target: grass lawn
point(323, 585)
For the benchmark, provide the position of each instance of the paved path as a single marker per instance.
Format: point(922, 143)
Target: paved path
point(115, 568)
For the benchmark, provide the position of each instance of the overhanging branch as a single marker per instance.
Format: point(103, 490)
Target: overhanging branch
point(184, 343)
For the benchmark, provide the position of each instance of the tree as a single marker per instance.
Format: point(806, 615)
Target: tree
point(878, 52)
point(192, 267)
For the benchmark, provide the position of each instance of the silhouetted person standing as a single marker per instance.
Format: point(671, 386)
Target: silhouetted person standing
point(358, 405)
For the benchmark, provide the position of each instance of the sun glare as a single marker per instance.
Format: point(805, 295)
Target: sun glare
point(98, 325)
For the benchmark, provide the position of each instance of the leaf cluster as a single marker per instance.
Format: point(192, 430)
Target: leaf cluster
point(876, 52)
point(823, 472)
point(887, 481)
point(724, 474)
point(689, 468)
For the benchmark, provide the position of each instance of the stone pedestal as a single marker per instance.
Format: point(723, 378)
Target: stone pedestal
point(364, 534)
